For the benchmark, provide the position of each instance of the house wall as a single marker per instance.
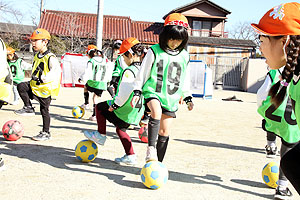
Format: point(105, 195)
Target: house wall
point(196, 51)
point(204, 10)
point(254, 75)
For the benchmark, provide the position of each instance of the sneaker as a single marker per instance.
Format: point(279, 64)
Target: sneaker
point(93, 118)
point(85, 106)
point(42, 136)
point(151, 154)
point(95, 136)
point(1, 164)
point(25, 111)
point(127, 160)
point(271, 152)
point(16, 102)
point(283, 194)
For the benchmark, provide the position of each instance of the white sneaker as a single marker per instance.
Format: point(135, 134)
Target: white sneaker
point(127, 160)
point(93, 118)
point(85, 106)
point(95, 136)
point(151, 154)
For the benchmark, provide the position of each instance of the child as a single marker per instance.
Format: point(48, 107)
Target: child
point(162, 80)
point(5, 83)
point(279, 31)
point(18, 67)
point(44, 83)
point(278, 121)
point(119, 111)
point(120, 64)
point(96, 76)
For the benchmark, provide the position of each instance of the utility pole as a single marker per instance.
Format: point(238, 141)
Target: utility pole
point(99, 24)
point(41, 8)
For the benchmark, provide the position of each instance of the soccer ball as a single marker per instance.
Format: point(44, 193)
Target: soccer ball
point(143, 134)
point(270, 174)
point(154, 174)
point(12, 130)
point(78, 112)
point(86, 151)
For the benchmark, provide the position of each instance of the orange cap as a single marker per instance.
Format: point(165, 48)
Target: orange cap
point(127, 44)
point(176, 19)
point(280, 20)
point(90, 47)
point(39, 34)
point(10, 50)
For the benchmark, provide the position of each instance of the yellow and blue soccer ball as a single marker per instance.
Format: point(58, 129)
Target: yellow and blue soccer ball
point(86, 151)
point(154, 174)
point(270, 174)
point(78, 112)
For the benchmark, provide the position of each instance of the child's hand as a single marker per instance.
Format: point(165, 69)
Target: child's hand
point(181, 101)
point(190, 106)
point(110, 109)
point(134, 101)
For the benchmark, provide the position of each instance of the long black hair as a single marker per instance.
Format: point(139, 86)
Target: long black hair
point(173, 32)
point(291, 68)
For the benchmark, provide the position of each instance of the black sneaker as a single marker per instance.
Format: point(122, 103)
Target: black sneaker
point(25, 111)
point(283, 194)
point(1, 164)
point(42, 136)
point(271, 152)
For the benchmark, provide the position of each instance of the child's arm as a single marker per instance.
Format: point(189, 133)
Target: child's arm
point(25, 65)
point(262, 92)
point(124, 90)
point(55, 71)
point(88, 72)
point(186, 91)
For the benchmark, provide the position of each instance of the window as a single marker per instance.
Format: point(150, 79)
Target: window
point(201, 28)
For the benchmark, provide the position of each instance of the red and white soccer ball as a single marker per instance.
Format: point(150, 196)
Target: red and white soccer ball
point(143, 133)
point(12, 130)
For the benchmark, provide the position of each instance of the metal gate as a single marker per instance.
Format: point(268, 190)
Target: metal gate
point(227, 71)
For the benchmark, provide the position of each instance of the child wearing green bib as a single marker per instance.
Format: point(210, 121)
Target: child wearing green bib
point(97, 75)
point(163, 79)
point(18, 67)
point(280, 122)
point(279, 31)
point(119, 111)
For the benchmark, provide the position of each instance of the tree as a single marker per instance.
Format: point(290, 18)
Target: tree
point(9, 13)
point(244, 31)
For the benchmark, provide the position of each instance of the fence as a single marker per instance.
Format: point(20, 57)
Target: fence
point(227, 71)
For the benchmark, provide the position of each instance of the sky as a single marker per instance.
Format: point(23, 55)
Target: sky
point(152, 10)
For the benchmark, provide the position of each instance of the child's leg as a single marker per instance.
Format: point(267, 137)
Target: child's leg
point(154, 121)
point(126, 141)
point(283, 182)
point(16, 93)
point(86, 95)
point(44, 108)
point(163, 137)
point(24, 92)
point(101, 120)
point(290, 166)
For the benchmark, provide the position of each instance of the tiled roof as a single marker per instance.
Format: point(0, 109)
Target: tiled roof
point(84, 25)
point(214, 41)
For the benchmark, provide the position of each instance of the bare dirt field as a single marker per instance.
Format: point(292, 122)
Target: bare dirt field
point(216, 152)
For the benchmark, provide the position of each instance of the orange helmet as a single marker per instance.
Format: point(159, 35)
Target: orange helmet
point(39, 34)
point(127, 44)
point(90, 47)
point(10, 50)
point(280, 20)
point(176, 19)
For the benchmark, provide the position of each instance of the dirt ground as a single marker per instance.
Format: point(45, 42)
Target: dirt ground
point(216, 152)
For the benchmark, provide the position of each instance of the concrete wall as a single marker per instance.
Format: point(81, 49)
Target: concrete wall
point(254, 74)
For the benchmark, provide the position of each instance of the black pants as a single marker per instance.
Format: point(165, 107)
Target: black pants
point(289, 164)
point(26, 95)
